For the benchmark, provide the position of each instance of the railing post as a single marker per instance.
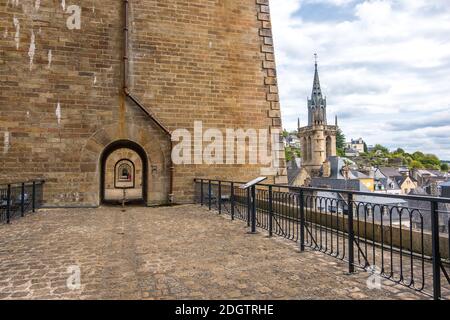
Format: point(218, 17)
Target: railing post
point(22, 200)
point(219, 197)
point(8, 204)
point(253, 209)
point(249, 206)
point(209, 194)
point(201, 192)
point(436, 256)
point(270, 211)
point(351, 235)
point(302, 221)
point(34, 197)
point(232, 200)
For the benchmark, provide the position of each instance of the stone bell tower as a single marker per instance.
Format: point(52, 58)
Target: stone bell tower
point(318, 139)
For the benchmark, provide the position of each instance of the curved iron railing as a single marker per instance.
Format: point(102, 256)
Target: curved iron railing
point(404, 239)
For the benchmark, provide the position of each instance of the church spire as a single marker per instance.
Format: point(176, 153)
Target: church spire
point(317, 105)
point(316, 95)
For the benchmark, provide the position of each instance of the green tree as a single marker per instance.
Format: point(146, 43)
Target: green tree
point(408, 159)
point(430, 161)
point(444, 167)
point(418, 155)
point(340, 142)
point(289, 153)
point(416, 165)
point(285, 133)
point(417, 160)
point(366, 149)
point(292, 153)
point(383, 149)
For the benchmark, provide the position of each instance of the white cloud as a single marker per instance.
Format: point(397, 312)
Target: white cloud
point(332, 2)
point(379, 61)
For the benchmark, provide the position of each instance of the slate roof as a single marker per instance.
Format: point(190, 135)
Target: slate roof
point(339, 184)
point(389, 172)
point(445, 184)
point(293, 170)
point(359, 175)
point(437, 173)
point(432, 173)
point(380, 200)
point(399, 180)
point(424, 208)
point(389, 184)
point(390, 202)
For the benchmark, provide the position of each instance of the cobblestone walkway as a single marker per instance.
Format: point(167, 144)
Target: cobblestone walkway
point(183, 252)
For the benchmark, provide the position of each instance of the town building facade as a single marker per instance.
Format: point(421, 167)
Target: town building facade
point(357, 146)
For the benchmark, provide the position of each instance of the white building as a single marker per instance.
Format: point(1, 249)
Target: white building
point(357, 145)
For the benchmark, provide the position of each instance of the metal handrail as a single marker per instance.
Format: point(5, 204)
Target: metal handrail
point(18, 198)
point(361, 193)
point(345, 228)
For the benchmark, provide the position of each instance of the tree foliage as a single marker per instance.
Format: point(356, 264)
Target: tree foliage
point(380, 155)
point(416, 165)
point(380, 148)
point(292, 153)
point(340, 142)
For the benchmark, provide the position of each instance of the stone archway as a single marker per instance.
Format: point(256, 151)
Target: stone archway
point(152, 141)
point(123, 168)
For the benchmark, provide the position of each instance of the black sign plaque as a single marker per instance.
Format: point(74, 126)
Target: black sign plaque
point(252, 183)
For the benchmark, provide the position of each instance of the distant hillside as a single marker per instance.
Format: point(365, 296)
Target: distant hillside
point(381, 155)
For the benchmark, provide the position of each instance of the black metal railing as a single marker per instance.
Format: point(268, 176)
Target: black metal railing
point(18, 199)
point(404, 239)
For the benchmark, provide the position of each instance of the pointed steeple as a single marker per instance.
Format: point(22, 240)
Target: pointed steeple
point(316, 94)
point(317, 105)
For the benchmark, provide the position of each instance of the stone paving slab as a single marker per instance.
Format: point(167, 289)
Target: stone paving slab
point(182, 252)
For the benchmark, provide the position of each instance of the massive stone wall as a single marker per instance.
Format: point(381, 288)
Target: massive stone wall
point(61, 100)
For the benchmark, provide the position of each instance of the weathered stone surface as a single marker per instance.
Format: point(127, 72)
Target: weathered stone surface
point(183, 252)
point(189, 60)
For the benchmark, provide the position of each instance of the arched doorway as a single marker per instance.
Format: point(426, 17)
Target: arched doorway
point(123, 166)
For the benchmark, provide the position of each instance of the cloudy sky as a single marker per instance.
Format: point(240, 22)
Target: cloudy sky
point(384, 66)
